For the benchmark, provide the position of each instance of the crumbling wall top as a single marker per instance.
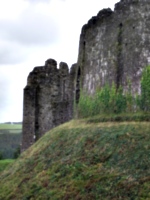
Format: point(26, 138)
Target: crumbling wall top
point(50, 62)
point(73, 69)
point(63, 68)
point(102, 15)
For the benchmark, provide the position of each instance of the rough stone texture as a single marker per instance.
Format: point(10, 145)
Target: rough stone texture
point(115, 46)
point(48, 100)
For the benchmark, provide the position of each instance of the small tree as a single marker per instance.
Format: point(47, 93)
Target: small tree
point(130, 100)
point(104, 98)
point(120, 101)
point(145, 89)
point(112, 101)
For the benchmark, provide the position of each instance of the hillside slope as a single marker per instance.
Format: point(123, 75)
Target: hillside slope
point(80, 160)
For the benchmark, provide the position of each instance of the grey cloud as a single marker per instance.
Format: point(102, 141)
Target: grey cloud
point(31, 28)
point(10, 105)
point(3, 93)
point(10, 53)
point(18, 38)
point(39, 1)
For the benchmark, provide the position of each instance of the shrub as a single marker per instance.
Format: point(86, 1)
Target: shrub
point(145, 90)
point(112, 100)
point(106, 100)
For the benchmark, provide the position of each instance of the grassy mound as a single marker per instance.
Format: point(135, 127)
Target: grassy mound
point(80, 160)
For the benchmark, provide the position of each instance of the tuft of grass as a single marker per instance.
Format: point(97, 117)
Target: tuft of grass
point(82, 160)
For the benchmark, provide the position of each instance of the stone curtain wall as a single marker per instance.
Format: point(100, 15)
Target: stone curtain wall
point(115, 46)
point(48, 100)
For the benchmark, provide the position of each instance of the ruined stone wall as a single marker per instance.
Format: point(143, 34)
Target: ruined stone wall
point(115, 46)
point(48, 100)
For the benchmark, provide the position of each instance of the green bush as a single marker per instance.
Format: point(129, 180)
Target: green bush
point(145, 90)
point(105, 100)
point(112, 100)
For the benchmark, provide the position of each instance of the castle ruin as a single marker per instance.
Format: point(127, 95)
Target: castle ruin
point(114, 47)
point(48, 100)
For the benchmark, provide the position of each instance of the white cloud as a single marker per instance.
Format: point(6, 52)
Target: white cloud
point(33, 31)
point(32, 28)
point(12, 53)
point(38, 1)
point(11, 9)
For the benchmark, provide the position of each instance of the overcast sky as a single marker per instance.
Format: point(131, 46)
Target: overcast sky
point(31, 31)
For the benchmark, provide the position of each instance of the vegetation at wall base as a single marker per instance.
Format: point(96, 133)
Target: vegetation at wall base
point(106, 100)
point(145, 90)
point(111, 100)
point(126, 117)
point(81, 160)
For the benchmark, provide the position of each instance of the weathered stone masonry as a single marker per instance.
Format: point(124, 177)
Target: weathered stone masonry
point(48, 100)
point(114, 47)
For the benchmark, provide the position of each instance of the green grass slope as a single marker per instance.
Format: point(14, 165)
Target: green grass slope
point(4, 163)
point(83, 161)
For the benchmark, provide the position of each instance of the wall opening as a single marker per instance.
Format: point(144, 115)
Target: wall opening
point(78, 85)
point(119, 71)
point(36, 133)
point(63, 89)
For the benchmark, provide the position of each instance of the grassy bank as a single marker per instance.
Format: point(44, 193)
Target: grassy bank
point(81, 160)
point(5, 163)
